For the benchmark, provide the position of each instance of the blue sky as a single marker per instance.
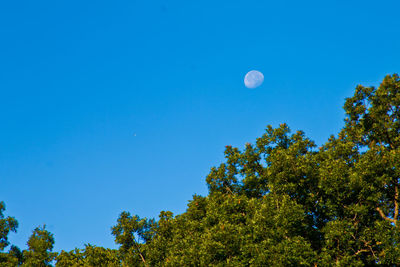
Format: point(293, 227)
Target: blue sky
point(79, 79)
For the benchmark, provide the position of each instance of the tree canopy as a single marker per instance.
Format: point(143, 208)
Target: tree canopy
point(280, 201)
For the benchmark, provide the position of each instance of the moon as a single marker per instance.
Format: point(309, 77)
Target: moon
point(253, 79)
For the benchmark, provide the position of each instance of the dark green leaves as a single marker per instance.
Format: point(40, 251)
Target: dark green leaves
point(40, 246)
point(7, 225)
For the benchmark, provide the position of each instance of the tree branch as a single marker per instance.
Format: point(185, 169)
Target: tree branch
point(360, 251)
point(396, 203)
point(140, 253)
point(385, 217)
point(370, 248)
point(228, 190)
point(389, 140)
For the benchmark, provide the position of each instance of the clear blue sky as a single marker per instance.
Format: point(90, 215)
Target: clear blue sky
point(78, 80)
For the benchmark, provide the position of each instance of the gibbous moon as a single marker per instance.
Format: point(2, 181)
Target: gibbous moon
point(253, 79)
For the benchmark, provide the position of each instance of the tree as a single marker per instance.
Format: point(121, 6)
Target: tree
point(283, 201)
point(7, 225)
point(131, 233)
point(40, 246)
point(89, 256)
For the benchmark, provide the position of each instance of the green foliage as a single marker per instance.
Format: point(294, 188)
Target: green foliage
point(283, 202)
point(278, 202)
point(90, 256)
point(131, 233)
point(40, 245)
point(7, 225)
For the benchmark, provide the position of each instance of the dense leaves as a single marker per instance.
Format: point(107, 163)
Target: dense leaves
point(40, 245)
point(7, 225)
point(89, 256)
point(280, 201)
